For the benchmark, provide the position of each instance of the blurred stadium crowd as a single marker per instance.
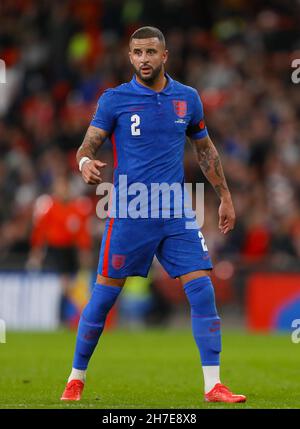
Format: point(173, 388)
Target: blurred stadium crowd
point(61, 55)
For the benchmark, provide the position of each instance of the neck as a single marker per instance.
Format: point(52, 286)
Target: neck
point(157, 85)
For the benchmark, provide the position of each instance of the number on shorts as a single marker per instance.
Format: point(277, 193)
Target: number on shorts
point(204, 247)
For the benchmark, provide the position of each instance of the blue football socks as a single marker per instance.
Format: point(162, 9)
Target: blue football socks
point(205, 320)
point(92, 322)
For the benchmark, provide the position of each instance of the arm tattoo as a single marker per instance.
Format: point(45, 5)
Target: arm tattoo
point(91, 143)
point(211, 166)
point(220, 189)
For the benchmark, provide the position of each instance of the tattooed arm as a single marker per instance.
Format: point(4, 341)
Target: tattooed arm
point(210, 163)
point(90, 167)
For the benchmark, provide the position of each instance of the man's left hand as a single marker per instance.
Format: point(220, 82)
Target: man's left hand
point(226, 216)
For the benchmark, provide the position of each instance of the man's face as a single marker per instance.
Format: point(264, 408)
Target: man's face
point(147, 57)
point(61, 188)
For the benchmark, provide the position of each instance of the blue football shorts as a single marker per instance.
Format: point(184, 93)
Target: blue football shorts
point(129, 245)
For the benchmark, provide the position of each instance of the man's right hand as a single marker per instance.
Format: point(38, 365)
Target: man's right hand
point(91, 171)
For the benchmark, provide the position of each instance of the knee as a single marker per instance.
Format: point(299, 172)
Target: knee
point(194, 275)
point(108, 281)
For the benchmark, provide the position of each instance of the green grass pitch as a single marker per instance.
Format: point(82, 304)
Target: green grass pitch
point(148, 369)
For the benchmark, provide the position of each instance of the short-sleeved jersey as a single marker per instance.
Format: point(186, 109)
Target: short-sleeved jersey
point(148, 129)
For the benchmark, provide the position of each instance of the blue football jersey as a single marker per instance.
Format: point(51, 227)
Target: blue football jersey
point(148, 131)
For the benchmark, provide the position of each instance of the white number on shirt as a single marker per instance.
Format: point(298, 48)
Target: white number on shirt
point(136, 120)
point(204, 247)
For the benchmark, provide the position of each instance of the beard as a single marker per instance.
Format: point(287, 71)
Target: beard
point(151, 77)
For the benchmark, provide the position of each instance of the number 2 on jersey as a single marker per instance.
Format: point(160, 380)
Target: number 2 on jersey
point(135, 130)
point(204, 247)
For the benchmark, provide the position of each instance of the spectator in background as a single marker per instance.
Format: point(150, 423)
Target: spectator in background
point(61, 239)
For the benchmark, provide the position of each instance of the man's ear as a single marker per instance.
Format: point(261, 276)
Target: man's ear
point(166, 54)
point(129, 55)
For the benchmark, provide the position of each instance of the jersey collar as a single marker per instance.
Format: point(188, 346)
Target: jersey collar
point(142, 89)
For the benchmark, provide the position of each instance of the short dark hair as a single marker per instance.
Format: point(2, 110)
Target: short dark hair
point(146, 33)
